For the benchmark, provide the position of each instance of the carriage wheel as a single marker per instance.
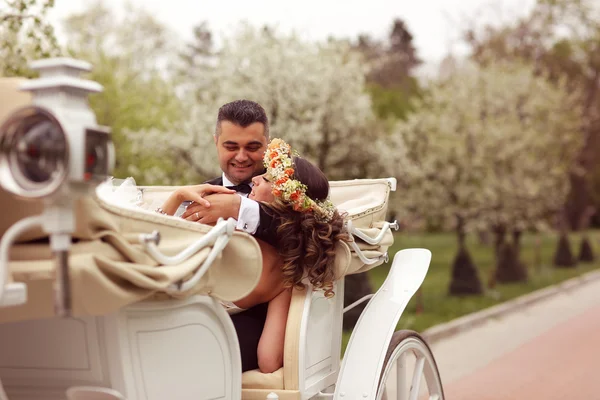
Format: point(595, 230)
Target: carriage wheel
point(408, 351)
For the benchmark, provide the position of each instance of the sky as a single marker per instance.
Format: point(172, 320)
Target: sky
point(435, 24)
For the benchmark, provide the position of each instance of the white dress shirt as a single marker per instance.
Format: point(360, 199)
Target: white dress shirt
point(249, 216)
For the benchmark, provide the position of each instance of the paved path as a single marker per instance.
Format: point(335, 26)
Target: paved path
point(549, 350)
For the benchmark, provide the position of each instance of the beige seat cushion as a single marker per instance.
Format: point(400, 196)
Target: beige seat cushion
point(365, 200)
point(255, 379)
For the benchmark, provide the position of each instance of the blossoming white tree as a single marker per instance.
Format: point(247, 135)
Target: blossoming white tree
point(25, 35)
point(487, 146)
point(313, 94)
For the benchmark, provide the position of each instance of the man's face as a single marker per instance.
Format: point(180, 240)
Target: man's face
point(241, 150)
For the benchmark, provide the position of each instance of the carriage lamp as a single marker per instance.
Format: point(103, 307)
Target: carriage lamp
point(53, 150)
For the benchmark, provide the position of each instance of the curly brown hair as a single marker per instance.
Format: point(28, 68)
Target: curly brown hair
point(306, 245)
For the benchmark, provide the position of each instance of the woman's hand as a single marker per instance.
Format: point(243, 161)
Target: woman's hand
point(222, 206)
point(193, 193)
point(196, 193)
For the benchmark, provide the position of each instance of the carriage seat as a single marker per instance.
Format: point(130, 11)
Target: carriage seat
point(255, 379)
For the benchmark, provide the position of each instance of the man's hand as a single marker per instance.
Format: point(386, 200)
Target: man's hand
point(195, 193)
point(221, 206)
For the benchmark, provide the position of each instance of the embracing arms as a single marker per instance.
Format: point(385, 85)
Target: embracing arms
point(211, 202)
point(227, 206)
point(195, 193)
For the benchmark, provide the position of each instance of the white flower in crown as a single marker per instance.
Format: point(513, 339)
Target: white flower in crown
point(280, 167)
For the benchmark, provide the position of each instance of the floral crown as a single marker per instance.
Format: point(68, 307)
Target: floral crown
point(280, 167)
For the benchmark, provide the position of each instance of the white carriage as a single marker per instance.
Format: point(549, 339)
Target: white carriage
point(143, 318)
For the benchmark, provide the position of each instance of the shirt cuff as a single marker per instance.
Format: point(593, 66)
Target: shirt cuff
point(249, 216)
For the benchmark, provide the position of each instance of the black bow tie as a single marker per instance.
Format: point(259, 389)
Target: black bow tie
point(242, 188)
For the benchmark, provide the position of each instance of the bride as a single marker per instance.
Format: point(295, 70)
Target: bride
point(296, 194)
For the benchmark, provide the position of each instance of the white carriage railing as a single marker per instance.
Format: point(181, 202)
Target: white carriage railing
point(13, 293)
point(373, 241)
point(217, 237)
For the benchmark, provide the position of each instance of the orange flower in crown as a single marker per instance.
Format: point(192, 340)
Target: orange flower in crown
point(280, 167)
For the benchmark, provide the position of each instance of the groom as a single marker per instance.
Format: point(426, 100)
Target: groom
point(241, 137)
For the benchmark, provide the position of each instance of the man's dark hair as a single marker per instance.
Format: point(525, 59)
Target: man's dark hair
point(242, 113)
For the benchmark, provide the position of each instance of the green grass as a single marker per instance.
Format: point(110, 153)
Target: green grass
point(438, 307)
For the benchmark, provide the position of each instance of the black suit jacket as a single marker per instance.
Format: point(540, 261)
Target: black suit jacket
point(269, 221)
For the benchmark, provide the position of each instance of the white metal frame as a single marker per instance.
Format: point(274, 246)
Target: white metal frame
point(363, 361)
point(424, 367)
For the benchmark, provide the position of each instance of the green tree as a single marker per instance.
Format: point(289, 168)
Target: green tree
point(392, 62)
point(562, 38)
point(131, 59)
point(25, 35)
point(198, 53)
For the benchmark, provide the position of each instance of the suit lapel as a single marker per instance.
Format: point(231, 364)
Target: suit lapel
point(217, 181)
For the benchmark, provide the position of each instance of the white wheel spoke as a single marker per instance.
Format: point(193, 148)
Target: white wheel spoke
point(401, 376)
point(394, 380)
point(416, 379)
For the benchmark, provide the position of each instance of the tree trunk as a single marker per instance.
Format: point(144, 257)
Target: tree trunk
point(465, 279)
point(586, 253)
point(461, 235)
point(579, 197)
point(356, 287)
point(538, 253)
point(484, 237)
point(499, 236)
point(509, 268)
point(563, 257)
point(517, 234)
point(577, 201)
